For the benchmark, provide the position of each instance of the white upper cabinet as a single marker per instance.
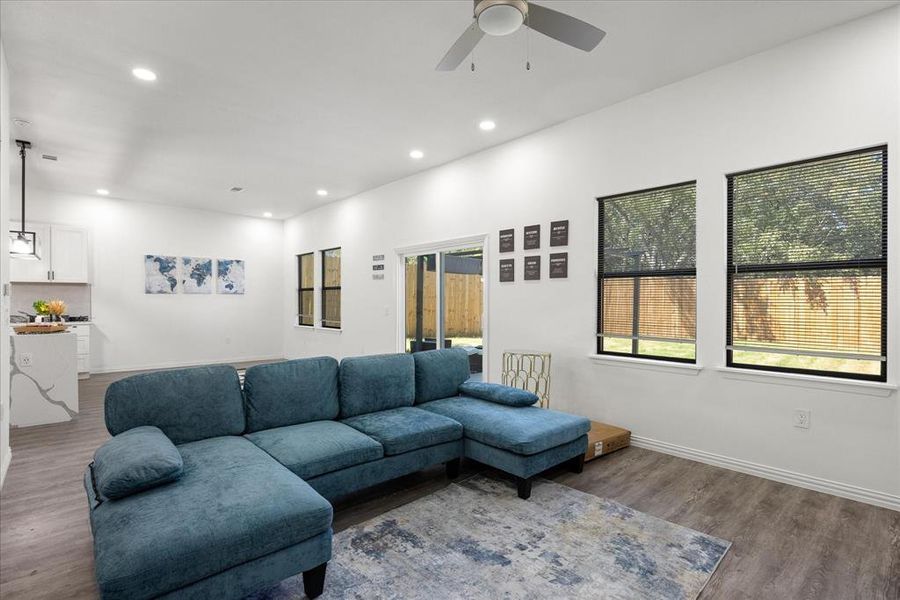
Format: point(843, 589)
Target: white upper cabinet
point(63, 256)
point(68, 254)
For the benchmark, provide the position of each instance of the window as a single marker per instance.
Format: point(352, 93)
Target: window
point(807, 258)
point(306, 292)
point(331, 288)
point(647, 277)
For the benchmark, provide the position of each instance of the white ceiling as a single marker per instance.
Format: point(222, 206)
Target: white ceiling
point(285, 98)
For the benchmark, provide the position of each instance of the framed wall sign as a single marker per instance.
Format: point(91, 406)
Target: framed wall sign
point(532, 237)
point(559, 233)
point(507, 270)
point(379, 267)
point(507, 240)
point(559, 265)
point(532, 268)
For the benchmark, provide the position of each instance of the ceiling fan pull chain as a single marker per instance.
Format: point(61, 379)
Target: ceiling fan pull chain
point(527, 43)
point(474, 25)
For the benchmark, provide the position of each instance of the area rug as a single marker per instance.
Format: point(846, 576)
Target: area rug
point(477, 539)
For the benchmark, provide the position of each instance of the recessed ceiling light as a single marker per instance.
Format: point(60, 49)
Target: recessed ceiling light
point(103, 192)
point(143, 74)
point(487, 125)
point(322, 193)
point(267, 215)
point(237, 189)
point(416, 154)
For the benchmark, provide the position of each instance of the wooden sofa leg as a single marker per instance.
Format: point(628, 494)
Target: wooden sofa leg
point(524, 488)
point(314, 581)
point(452, 468)
point(576, 465)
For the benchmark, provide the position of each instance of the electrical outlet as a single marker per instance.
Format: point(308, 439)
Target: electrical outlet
point(802, 417)
point(26, 359)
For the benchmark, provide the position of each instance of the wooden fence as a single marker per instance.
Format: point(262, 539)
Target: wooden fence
point(463, 298)
point(835, 314)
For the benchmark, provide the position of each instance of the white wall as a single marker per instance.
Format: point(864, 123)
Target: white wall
point(134, 330)
point(5, 200)
point(831, 92)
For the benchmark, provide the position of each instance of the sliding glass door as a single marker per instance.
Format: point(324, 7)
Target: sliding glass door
point(444, 302)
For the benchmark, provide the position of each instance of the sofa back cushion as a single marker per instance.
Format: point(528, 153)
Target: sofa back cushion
point(291, 392)
point(379, 382)
point(439, 373)
point(186, 404)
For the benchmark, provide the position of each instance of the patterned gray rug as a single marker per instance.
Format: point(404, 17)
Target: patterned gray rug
point(477, 539)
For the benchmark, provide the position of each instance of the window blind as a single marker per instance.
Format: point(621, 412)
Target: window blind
point(647, 278)
point(807, 255)
point(306, 289)
point(331, 288)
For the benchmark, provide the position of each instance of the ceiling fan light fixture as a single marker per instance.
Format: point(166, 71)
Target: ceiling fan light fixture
point(500, 17)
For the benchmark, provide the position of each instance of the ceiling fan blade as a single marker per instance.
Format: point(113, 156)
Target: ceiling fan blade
point(563, 28)
point(462, 48)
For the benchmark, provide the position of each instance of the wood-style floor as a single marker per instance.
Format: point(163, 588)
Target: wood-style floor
point(787, 542)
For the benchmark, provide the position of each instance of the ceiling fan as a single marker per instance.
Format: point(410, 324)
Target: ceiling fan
point(502, 17)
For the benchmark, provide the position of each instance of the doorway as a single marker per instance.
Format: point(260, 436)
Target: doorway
point(443, 301)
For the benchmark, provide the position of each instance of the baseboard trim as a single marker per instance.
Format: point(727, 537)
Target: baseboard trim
point(179, 364)
point(818, 484)
point(4, 464)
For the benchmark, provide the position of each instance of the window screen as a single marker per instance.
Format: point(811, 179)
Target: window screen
point(807, 254)
point(331, 288)
point(306, 291)
point(647, 278)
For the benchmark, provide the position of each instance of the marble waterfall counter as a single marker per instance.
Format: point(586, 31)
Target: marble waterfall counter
point(43, 378)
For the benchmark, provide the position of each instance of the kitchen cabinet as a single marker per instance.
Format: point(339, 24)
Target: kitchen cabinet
point(63, 256)
point(83, 348)
point(68, 254)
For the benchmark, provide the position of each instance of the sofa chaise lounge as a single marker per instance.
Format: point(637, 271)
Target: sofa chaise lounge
point(209, 491)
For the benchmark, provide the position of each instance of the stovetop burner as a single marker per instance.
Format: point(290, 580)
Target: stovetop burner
point(77, 318)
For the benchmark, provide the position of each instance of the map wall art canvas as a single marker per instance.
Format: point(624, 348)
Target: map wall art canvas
point(230, 276)
point(196, 275)
point(160, 274)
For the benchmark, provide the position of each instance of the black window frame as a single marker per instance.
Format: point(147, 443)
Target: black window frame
point(881, 264)
point(301, 290)
point(325, 289)
point(640, 274)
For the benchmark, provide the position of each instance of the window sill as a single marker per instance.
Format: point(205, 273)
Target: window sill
point(319, 328)
point(870, 388)
point(647, 363)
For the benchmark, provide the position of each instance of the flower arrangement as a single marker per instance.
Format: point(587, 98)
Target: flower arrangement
point(56, 308)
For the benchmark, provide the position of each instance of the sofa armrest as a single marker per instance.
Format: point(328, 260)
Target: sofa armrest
point(499, 394)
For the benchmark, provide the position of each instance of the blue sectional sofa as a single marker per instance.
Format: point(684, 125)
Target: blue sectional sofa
point(207, 490)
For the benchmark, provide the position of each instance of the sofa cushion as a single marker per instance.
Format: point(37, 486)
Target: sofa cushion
point(406, 428)
point(186, 404)
point(233, 504)
point(439, 373)
point(311, 449)
point(500, 394)
point(379, 382)
point(291, 392)
point(135, 460)
point(523, 430)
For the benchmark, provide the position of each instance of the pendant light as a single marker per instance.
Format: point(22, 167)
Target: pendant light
point(23, 244)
